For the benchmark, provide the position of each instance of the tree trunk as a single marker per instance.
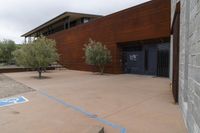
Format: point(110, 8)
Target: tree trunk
point(101, 69)
point(40, 73)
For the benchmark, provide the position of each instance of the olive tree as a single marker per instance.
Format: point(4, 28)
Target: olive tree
point(1, 52)
point(97, 54)
point(38, 54)
point(6, 48)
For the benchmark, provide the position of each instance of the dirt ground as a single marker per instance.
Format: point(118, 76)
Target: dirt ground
point(73, 101)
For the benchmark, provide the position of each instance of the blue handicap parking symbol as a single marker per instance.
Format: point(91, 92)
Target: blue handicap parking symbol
point(12, 101)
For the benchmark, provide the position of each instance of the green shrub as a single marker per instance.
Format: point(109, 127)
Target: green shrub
point(38, 54)
point(97, 54)
point(6, 49)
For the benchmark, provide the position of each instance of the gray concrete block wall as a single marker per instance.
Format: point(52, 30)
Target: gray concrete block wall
point(189, 70)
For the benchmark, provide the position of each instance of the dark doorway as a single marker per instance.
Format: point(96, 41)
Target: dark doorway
point(176, 33)
point(163, 60)
point(133, 60)
point(150, 52)
point(148, 58)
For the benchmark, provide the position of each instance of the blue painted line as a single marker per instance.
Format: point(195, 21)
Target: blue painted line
point(122, 129)
point(84, 112)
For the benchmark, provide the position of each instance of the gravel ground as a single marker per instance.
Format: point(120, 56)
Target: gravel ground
point(9, 87)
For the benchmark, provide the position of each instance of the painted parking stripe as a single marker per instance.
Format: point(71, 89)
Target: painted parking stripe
point(84, 112)
point(12, 101)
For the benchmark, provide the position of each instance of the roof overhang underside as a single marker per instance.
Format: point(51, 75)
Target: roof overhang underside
point(70, 15)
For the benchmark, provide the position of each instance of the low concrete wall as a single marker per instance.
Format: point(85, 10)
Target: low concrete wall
point(11, 70)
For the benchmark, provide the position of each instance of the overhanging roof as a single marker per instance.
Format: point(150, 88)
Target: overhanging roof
point(72, 16)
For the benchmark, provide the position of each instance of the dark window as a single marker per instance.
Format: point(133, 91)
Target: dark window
point(85, 20)
point(132, 48)
point(73, 23)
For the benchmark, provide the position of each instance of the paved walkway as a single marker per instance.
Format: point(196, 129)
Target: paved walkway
point(141, 104)
point(9, 87)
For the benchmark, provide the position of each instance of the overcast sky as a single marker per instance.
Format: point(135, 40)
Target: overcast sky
point(20, 16)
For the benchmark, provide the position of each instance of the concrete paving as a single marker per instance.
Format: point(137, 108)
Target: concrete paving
point(9, 87)
point(141, 104)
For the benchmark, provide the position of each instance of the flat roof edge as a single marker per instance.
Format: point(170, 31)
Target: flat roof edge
point(135, 6)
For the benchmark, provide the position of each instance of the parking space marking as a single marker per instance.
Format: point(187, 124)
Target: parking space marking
point(84, 112)
point(12, 101)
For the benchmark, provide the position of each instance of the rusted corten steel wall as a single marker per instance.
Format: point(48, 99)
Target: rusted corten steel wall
point(150, 20)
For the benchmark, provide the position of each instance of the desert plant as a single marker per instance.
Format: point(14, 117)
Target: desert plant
point(38, 54)
point(97, 54)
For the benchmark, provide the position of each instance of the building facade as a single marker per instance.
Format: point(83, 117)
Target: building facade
point(138, 38)
point(185, 16)
point(139, 41)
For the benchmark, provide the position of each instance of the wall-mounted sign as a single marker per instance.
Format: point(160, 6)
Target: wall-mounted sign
point(133, 57)
point(12, 101)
